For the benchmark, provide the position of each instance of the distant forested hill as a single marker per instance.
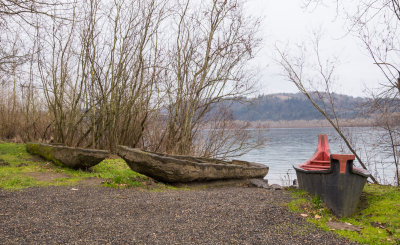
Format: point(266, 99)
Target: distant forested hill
point(285, 106)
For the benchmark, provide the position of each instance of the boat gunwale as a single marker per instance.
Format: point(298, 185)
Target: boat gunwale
point(59, 146)
point(330, 170)
point(161, 157)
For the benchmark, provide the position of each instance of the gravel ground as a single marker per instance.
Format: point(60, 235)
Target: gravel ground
point(95, 215)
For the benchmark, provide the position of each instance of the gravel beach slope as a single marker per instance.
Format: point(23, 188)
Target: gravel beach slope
point(95, 215)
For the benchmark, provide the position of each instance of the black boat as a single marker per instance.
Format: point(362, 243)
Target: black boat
point(333, 178)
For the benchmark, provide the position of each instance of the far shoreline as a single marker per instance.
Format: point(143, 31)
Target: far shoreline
point(315, 123)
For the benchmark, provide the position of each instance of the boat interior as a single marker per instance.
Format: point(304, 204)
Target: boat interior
point(321, 158)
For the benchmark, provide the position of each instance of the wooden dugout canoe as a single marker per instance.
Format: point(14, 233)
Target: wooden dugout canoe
point(333, 178)
point(182, 169)
point(72, 157)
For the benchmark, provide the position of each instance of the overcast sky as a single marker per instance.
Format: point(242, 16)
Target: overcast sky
point(285, 21)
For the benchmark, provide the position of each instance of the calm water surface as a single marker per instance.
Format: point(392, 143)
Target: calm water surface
point(288, 146)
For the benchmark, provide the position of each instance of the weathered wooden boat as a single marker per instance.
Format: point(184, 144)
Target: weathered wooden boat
point(72, 157)
point(333, 178)
point(183, 169)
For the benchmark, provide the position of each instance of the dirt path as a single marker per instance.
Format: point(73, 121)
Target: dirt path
point(95, 215)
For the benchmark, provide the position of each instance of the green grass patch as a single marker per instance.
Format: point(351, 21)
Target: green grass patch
point(22, 170)
point(378, 215)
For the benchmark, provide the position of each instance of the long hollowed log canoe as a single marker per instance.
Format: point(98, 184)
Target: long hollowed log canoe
point(333, 178)
point(72, 157)
point(183, 169)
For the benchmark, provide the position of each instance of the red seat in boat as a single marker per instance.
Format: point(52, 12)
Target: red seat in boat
point(321, 158)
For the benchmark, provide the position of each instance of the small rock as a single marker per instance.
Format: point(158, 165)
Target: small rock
point(260, 183)
point(276, 187)
point(342, 226)
point(4, 163)
point(317, 216)
point(389, 232)
point(74, 189)
point(121, 196)
point(304, 215)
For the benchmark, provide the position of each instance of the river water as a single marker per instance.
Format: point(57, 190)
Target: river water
point(288, 146)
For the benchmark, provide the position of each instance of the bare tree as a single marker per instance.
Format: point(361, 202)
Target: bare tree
point(100, 70)
point(17, 23)
point(14, 18)
point(386, 113)
point(221, 136)
point(304, 71)
point(213, 43)
point(376, 23)
point(148, 74)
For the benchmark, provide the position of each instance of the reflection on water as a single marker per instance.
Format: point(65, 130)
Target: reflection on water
point(288, 146)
